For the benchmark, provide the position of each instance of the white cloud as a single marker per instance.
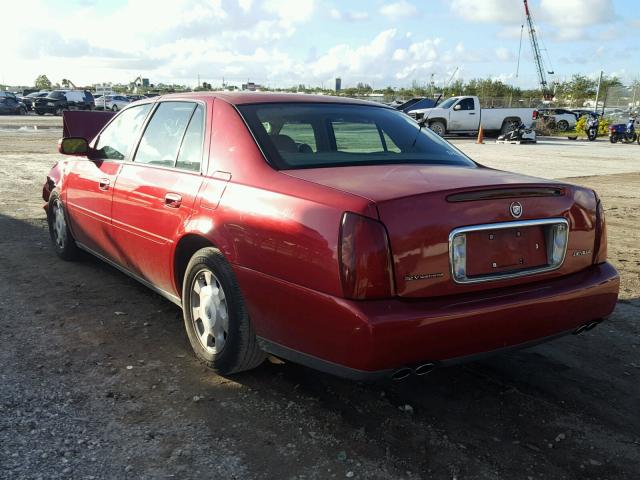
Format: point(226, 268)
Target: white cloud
point(489, 11)
point(577, 13)
point(398, 10)
point(504, 54)
point(355, 16)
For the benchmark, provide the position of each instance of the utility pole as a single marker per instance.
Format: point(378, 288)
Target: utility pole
point(598, 91)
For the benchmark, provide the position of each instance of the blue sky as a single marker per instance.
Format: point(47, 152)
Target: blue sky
point(286, 42)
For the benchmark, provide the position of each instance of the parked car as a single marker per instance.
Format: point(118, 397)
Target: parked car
point(564, 119)
point(10, 105)
point(328, 231)
point(135, 98)
point(28, 99)
point(464, 115)
point(415, 104)
point(60, 100)
point(112, 102)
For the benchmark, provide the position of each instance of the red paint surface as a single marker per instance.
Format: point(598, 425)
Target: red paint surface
point(280, 230)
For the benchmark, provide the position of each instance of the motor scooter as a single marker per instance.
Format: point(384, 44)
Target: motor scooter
point(592, 126)
point(626, 133)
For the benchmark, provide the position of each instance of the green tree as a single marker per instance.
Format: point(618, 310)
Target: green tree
point(43, 83)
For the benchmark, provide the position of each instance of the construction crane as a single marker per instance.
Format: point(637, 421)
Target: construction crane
point(537, 56)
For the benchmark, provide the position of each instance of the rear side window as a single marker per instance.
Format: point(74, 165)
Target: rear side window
point(163, 136)
point(302, 134)
point(117, 139)
point(190, 154)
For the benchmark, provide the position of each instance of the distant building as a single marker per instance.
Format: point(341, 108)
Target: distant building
point(252, 87)
point(145, 82)
point(338, 84)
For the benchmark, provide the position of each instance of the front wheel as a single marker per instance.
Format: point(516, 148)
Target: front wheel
point(114, 108)
point(438, 127)
point(563, 125)
point(613, 139)
point(215, 315)
point(61, 238)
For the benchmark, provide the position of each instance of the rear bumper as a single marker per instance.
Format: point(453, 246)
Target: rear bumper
point(370, 339)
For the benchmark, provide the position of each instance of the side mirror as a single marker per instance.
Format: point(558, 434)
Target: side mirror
point(73, 146)
point(457, 107)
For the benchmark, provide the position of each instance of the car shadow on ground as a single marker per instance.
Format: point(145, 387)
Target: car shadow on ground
point(565, 408)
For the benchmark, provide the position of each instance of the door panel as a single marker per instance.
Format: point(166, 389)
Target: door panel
point(89, 188)
point(155, 195)
point(466, 118)
point(150, 205)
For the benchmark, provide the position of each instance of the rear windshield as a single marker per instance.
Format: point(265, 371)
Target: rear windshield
point(311, 135)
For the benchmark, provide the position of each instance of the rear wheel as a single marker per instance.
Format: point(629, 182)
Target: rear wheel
point(59, 111)
point(613, 139)
point(509, 126)
point(114, 108)
point(215, 315)
point(63, 242)
point(438, 127)
point(22, 111)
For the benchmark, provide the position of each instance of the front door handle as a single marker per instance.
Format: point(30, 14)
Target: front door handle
point(472, 113)
point(104, 183)
point(172, 200)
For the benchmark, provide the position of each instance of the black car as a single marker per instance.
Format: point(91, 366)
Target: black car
point(29, 99)
point(415, 104)
point(59, 100)
point(10, 105)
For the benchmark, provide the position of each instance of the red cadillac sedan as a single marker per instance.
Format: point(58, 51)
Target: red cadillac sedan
point(327, 231)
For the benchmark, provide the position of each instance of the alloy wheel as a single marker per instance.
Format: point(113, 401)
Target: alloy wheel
point(209, 311)
point(59, 224)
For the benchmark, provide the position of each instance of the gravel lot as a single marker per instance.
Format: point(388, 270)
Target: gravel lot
point(97, 378)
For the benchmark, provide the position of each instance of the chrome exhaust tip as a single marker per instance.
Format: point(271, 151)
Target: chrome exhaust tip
point(580, 329)
point(591, 326)
point(401, 373)
point(425, 368)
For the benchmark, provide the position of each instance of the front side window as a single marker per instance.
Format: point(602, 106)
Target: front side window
point(163, 136)
point(344, 134)
point(466, 104)
point(117, 138)
point(448, 102)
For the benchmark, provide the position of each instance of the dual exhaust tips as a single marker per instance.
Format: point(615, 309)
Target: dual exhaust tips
point(420, 370)
point(425, 368)
point(586, 327)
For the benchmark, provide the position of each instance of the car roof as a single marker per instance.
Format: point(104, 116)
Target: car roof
point(248, 98)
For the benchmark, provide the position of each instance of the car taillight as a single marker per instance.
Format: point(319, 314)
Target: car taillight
point(600, 244)
point(365, 258)
point(534, 115)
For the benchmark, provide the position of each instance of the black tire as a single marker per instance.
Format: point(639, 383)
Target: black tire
point(563, 125)
point(613, 139)
point(240, 350)
point(22, 111)
point(59, 111)
point(64, 246)
point(114, 108)
point(438, 127)
point(39, 112)
point(509, 126)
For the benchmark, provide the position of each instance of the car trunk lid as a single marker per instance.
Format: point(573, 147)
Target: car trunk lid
point(422, 206)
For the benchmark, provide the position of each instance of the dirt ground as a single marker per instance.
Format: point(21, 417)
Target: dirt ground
point(97, 379)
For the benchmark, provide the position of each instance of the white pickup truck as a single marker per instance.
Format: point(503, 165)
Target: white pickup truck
point(464, 115)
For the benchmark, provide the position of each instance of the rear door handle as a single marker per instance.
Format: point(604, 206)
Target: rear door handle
point(104, 183)
point(172, 200)
point(472, 113)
